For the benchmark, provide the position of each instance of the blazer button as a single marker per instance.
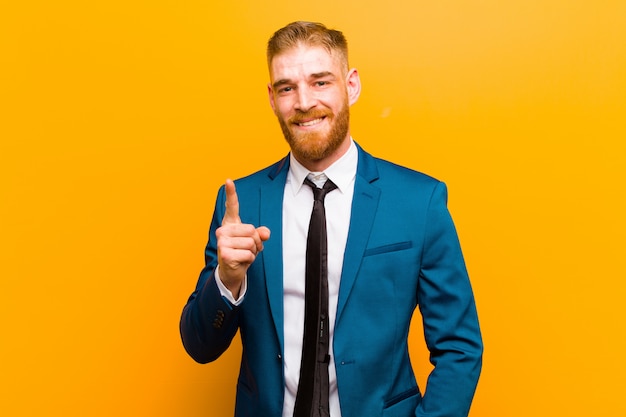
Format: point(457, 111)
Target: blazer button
point(219, 319)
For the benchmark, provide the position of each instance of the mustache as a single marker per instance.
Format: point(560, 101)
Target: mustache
point(309, 115)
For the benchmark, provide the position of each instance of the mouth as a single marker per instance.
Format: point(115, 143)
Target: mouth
point(309, 123)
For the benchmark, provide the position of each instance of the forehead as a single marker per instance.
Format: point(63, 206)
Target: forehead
point(303, 61)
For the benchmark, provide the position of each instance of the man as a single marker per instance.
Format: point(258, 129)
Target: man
point(391, 246)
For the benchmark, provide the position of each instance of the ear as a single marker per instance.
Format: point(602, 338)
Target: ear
point(270, 93)
point(353, 82)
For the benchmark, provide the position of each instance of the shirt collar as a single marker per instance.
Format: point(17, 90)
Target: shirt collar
point(341, 172)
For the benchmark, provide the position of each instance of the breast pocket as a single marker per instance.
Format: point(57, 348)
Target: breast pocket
point(393, 247)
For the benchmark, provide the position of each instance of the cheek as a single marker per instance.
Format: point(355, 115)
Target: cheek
point(282, 109)
point(335, 100)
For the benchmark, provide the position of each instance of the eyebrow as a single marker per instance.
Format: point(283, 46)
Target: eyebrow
point(322, 74)
point(315, 76)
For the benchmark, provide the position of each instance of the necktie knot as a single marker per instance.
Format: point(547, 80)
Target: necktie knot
point(319, 194)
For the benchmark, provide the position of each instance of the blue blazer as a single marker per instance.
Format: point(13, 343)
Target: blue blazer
point(402, 252)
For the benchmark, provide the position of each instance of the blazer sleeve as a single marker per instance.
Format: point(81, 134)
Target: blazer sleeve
point(449, 316)
point(209, 321)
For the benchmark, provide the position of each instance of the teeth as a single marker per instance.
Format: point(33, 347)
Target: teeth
point(310, 123)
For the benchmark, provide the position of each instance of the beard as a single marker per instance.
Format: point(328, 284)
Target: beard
point(315, 146)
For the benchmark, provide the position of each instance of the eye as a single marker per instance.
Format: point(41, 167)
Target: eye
point(285, 90)
point(321, 83)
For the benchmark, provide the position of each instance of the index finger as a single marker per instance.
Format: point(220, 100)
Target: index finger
point(232, 204)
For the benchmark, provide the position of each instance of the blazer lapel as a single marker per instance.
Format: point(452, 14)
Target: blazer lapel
point(364, 205)
point(271, 215)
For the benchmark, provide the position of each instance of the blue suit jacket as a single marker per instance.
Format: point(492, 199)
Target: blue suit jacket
point(402, 251)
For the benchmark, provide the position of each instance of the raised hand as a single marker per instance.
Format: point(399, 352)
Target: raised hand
point(237, 244)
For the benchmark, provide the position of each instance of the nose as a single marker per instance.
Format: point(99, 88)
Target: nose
point(306, 100)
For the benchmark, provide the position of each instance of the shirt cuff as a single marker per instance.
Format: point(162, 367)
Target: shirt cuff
point(225, 292)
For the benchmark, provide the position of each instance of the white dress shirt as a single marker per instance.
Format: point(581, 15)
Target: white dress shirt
point(297, 208)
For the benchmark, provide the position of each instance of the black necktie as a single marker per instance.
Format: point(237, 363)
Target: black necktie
point(312, 397)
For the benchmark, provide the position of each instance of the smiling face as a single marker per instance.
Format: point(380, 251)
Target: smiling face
point(310, 92)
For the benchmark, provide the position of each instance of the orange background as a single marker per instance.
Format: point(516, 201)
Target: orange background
point(120, 119)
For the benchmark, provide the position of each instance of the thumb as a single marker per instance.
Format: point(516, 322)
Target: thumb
point(264, 233)
point(232, 204)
